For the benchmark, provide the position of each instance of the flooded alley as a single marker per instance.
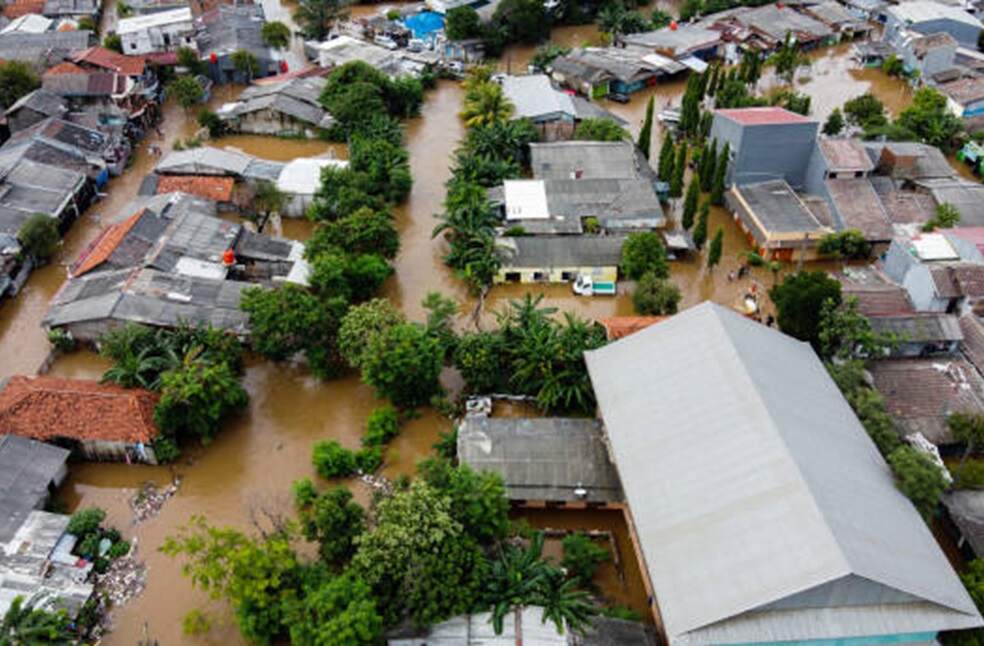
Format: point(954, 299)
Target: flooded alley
point(253, 461)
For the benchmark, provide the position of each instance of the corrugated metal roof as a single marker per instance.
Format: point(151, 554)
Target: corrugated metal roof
point(560, 251)
point(751, 481)
point(533, 96)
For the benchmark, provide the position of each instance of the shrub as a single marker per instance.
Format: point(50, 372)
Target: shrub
point(849, 244)
point(39, 237)
point(166, 449)
point(85, 521)
point(655, 296)
point(332, 460)
point(582, 557)
point(383, 425)
point(61, 340)
point(643, 253)
point(369, 460)
point(919, 478)
point(970, 475)
point(118, 549)
point(211, 121)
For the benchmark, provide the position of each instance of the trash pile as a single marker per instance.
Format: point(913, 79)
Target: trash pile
point(125, 579)
point(149, 500)
point(377, 483)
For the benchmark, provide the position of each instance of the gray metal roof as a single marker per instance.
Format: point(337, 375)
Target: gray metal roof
point(676, 42)
point(27, 468)
point(49, 47)
point(543, 458)
point(535, 252)
point(762, 509)
point(776, 206)
point(918, 11)
point(594, 159)
point(967, 197)
point(297, 98)
point(920, 327)
point(205, 160)
point(534, 97)
point(966, 508)
point(28, 187)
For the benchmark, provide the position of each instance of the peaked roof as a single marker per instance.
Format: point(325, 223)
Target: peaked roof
point(754, 488)
point(108, 59)
point(45, 408)
point(105, 245)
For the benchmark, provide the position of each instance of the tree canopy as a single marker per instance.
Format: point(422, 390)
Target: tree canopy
point(17, 79)
point(799, 299)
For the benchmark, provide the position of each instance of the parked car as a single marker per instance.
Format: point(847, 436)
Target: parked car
point(587, 286)
point(385, 41)
point(618, 97)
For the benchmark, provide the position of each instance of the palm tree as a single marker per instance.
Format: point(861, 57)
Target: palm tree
point(142, 369)
point(246, 63)
point(25, 623)
point(317, 17)
point(516, 578)
point(564, 604)
point(486, 104)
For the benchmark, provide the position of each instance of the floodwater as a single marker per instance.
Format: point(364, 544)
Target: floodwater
point(252, 462)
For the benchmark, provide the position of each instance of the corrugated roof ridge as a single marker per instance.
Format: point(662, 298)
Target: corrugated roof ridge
point(719, 312)
point(118, 231)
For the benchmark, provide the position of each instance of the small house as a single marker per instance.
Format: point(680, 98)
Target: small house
point(300, 180)
point(929, 17)
point(554, 113)
point(776, 221)
point(965, 96)
point(71, 9)
point(34, 107)
point(679, 42)
point(921, 394)
point(165, 31)
point(839, 18)
point(221, 190)
point(28, 187)
point(597, 72)
point(765, 144)
point(229, 28)
point(44, 50)
point(939, 274)
point(291, 108)
point(207, 160)
point(543, 461)
point(558, 259)
point(98, 421)
point(926, 54)
point(920, 334)
point(29, 472)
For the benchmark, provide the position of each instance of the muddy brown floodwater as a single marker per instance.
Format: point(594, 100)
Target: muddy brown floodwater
point(253, 461)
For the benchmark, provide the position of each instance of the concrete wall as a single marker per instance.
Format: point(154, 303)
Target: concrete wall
point(556, 274)
point(272, 122)
point(162, 38)
point(116, 452)
point(766, 152)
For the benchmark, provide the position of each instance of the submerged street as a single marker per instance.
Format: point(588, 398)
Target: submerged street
point(251, 464)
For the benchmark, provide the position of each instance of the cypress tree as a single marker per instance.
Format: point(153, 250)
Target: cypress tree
point(702, 160)
point(717, 247)
point(706, 118)
point(717, 189)
point(708, 170)
point(679, 168)
point(713, 83)
point(666, 154)
point(700, 231)
point(690, 203)
point(646, 134)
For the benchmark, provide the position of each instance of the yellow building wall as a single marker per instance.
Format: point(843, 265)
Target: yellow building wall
point(557, 274)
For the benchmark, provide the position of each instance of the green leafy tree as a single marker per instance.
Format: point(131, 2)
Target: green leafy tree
point(849, 244)
point(331, 519)
point(708, 165)
point(211, 121)
point(85, 522)
point(338, 612)
point(267, 200)
point(700, 231)
point(968, 429)
point(666, 157)
point(486, 104)
point(382, 426)
point(276, 34)
point(478, 500)
point(186, 91)
point(114, 43)
point(845, 333)
point(316, 17)
point(799, 300)
point(403, 364)
point(946, 217)
point(867, 403)
point(720, 175)
point(522, 20)
point(246, 64)
point(386, 167)
point(834, 124)
point(547, 54)
point(690, 203)
point(25, 623)
point(17, 79)
point(259, 578)
point(582, 558)
point(930, 120)
point(646, 134)
point(715, 250)
point(419, 561)
point(196, 397)
point(599, 129)
point(789, 58)
point(644, 253)
point(660, 18)
point(462, 23)
point(655, 296)
point(918, 478)
point(679, 170)
point(865, 111)
point(361, 324)
point(478, 357)
point(39, 237)
point(188, 58)
point(332, 460)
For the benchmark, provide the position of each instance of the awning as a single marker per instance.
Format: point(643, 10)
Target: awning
point(694, 64)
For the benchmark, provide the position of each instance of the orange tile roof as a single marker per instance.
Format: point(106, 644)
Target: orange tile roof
point(218, 189)
point(110, 60)
point(620, 326)
point(66, 26)
point(18, 9)
point(65, 68)
point(45, 408)
point(104, 246)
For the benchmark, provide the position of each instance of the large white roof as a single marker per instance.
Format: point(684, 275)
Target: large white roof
point(763, 510)
point(526, 199)
point(917, 11)
point(533, 96)
point(303, 176)
point(139, 23)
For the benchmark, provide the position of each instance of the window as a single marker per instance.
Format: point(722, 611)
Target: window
point(512, 277)
point(133, 45)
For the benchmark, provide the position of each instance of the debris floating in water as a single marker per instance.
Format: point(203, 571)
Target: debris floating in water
point(150, 499)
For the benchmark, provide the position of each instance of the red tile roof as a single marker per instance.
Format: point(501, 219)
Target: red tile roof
point(104, 246)
point(18, 9)
point(65, 68)
point(619, 326)
point(762, 116)
point(110, 60)
point(218, 189)
point(162, 58)
point(46, 408)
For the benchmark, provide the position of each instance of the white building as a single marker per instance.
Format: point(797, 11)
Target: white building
point(157, 32)
point(300, 180)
